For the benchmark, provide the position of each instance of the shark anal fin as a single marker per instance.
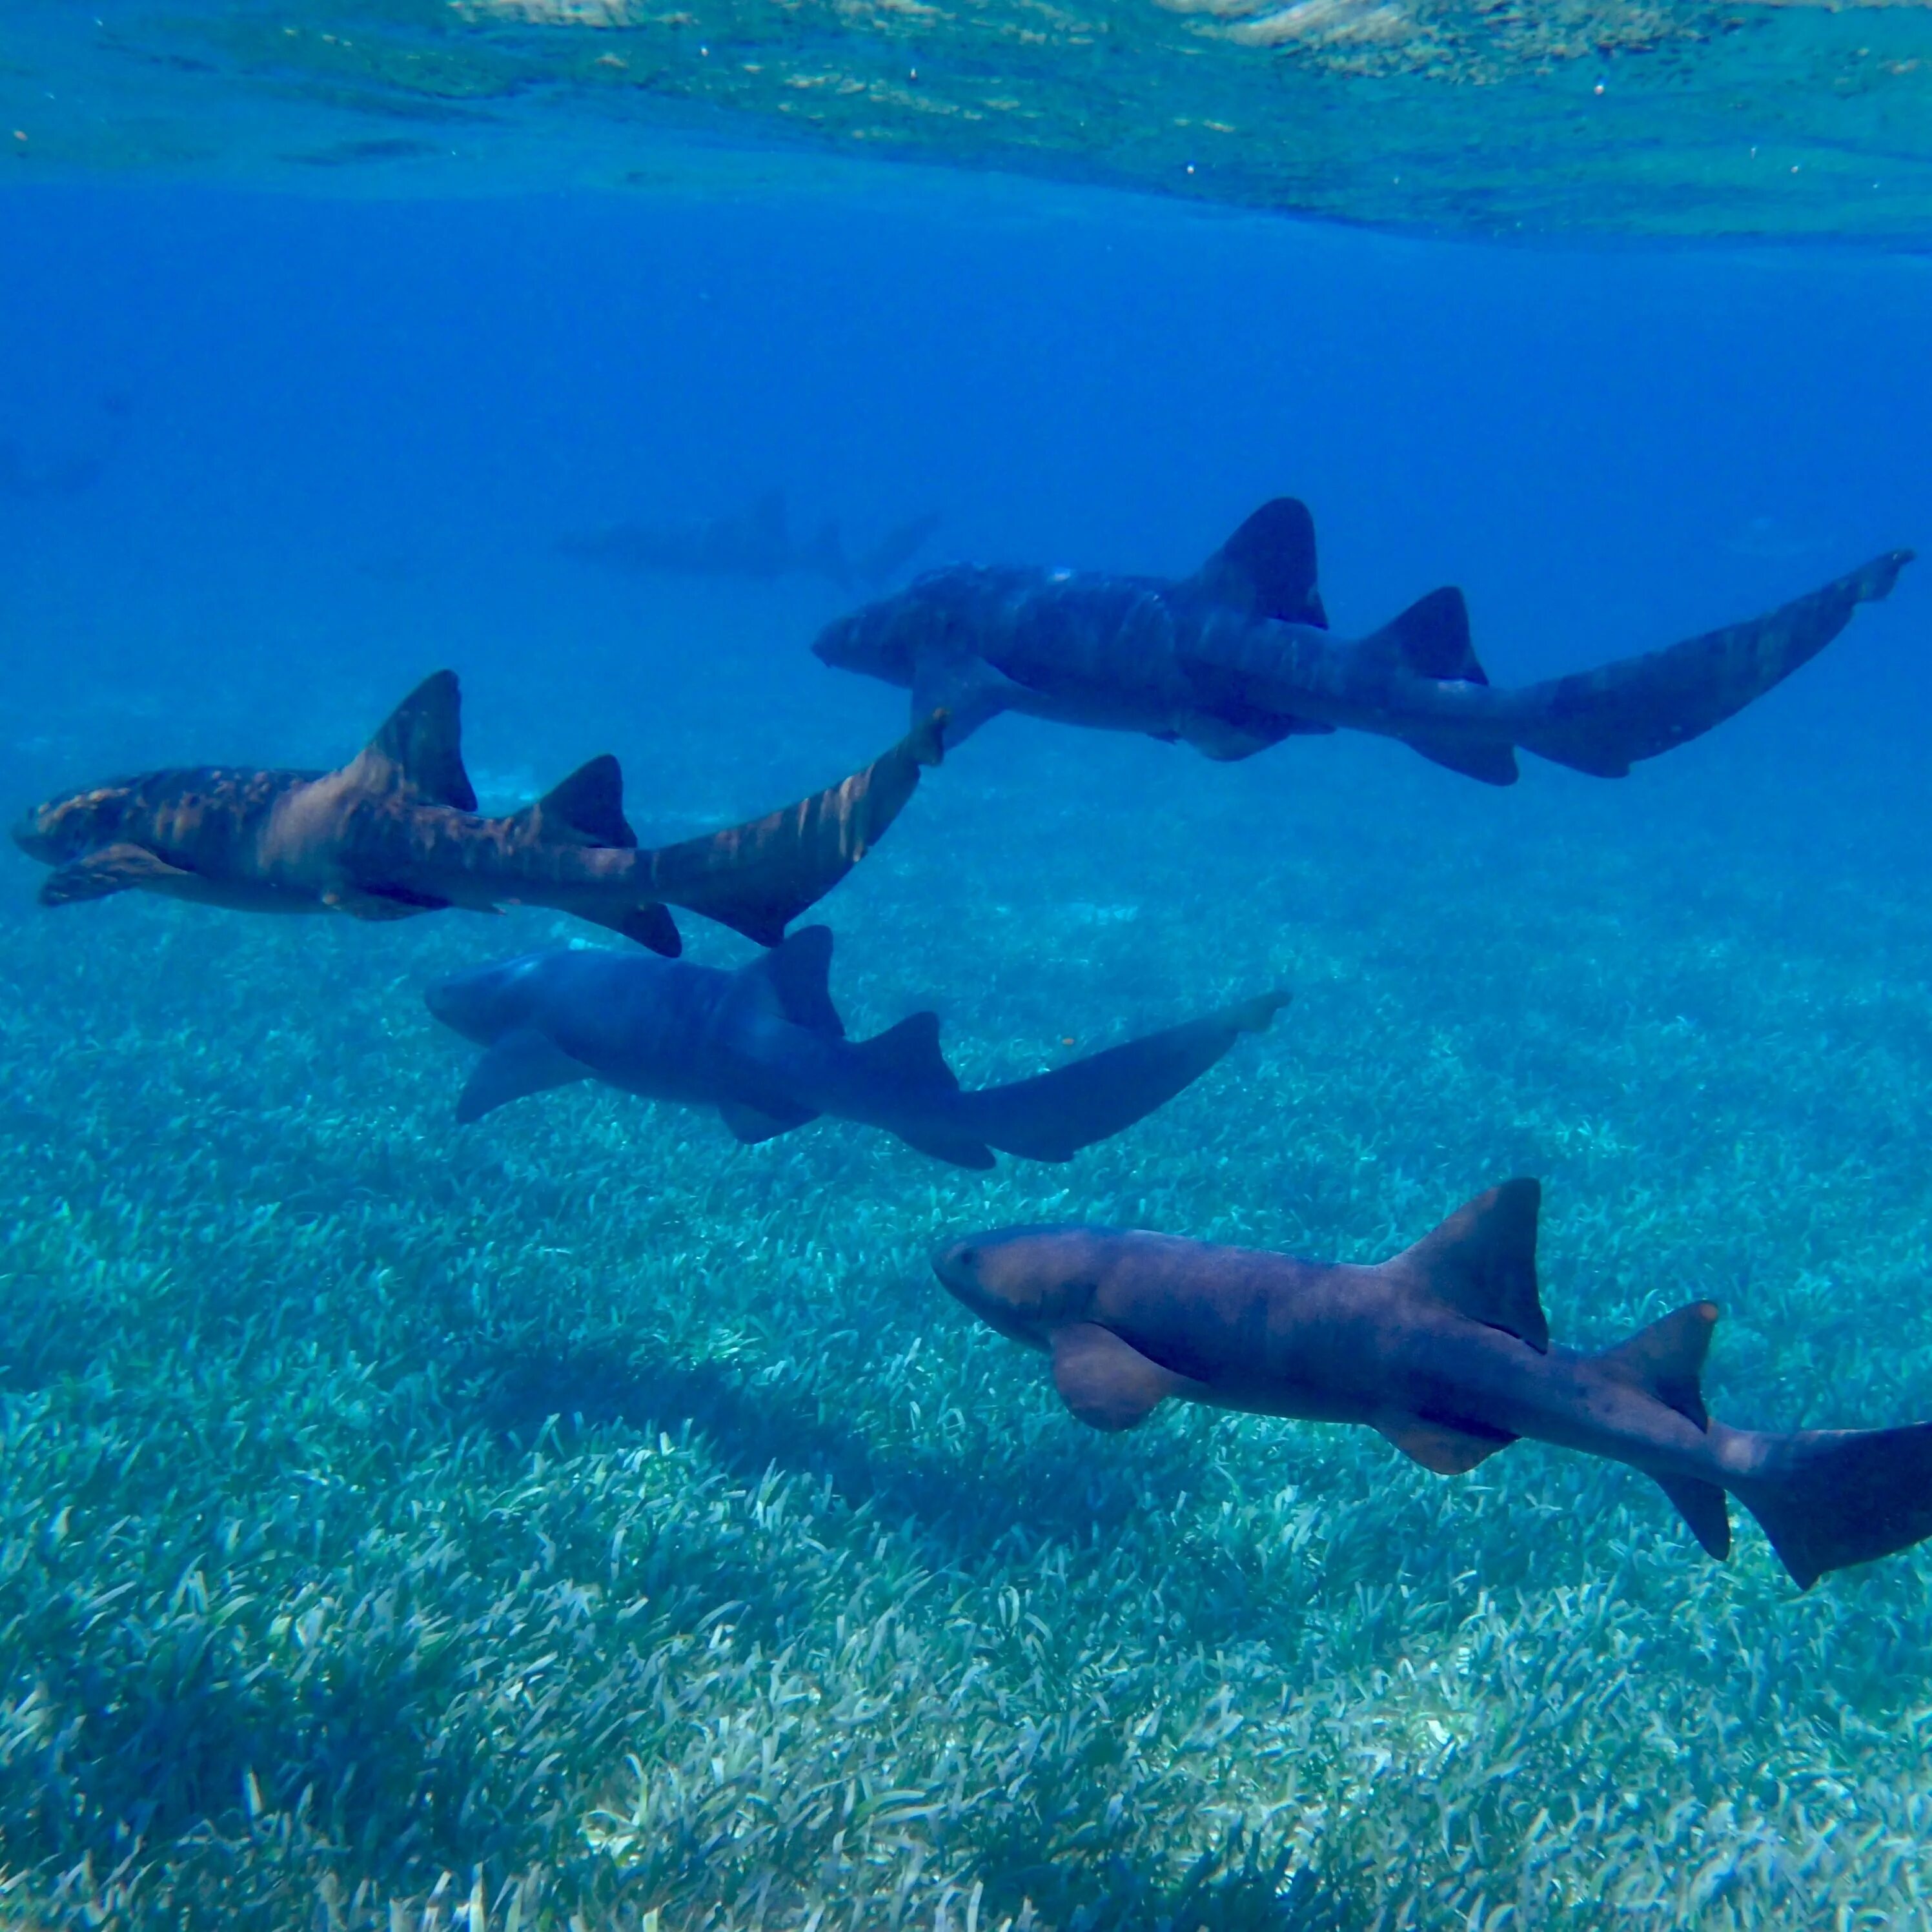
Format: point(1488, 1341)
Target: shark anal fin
point(750, 1125)
point(1482, 1262)
point(967, 689)
point(420, 747)
point(1106, 1382)
point(586, 808)
point(1431, 639)
point(523, 1061)
point(1667, 1360)
point(649, 924)
point(795, 976)
point(1267, 568)
point(1705, 1508)
point(1441, 1447)
point(114, 868)
point(1492, 764)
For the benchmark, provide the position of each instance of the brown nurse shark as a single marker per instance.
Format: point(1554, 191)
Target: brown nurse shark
point(395, 832)
point(1444, 1349)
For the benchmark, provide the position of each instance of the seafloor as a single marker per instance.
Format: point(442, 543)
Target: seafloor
point(579, 1520)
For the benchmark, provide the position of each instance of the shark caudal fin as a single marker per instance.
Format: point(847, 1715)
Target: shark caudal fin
point(1054, 1115)
point(419, 748)
point(1828, 1498)
point(1603, 721)
point(1267, 568)
point(758, 878)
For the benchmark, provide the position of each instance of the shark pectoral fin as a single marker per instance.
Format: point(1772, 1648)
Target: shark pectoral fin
point(750, 1125)
point(1482, 1262)
point(1705, 1508)
point(1667, 1360)
point(967, 689)
point(522, 1062)
point(419, 748)
point(1108, 1383)
point(1445, 1451)
point(1493, 764)
point(114, 868)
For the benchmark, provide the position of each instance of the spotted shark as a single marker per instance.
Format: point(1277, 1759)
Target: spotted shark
point(765, 1045)
point(395, 832)
point(1239, 657)
point(1445, 1349)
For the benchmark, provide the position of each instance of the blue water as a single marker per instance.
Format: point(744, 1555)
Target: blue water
point(339, 442)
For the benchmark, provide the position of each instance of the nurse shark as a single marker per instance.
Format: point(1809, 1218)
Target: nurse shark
point(1239, 656)
point(765, 1045)
point(395, 832)
point(1444, 1349)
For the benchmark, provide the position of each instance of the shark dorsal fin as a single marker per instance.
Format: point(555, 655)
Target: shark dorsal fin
point(796, 973)
point(1267, 568)
point(420, 747)
point(1667, 1360)
point(909, 1052)
point(1431, 638)
point(587, 807)
point(1482, 1262)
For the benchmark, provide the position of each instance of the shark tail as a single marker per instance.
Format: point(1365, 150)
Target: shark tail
point(1603, 721)
point(758, 878)
point(1054, 1115)
point(1827, 1498)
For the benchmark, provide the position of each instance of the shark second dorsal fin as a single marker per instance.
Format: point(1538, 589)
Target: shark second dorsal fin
point(1267, 568)
point(587, 807)
point(419, 748)
point(795, 973)
point(1482, 1262)
point(1667, 1360)
point(1431, 639)
point(909, 1052)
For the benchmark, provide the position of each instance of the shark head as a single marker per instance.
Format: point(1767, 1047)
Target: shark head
point(67, 828)
point(886, 640)
point(1025, 1282)
point(488, 1001)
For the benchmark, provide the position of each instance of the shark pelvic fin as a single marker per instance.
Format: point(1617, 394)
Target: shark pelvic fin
point(1482, 1262)
point(750, 1125)
point(1667, 1360)
point(1705, 1508)
point(586, 808)
point(1441, 1447)
point(1267, 568)
point(420, 747)
point(1108, 1383)
point(114, 868)
point(1431, 638)
point(795, 974)
point(523, 1061)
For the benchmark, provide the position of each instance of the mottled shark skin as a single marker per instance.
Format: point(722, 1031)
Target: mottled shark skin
point(1239, 657)
point(395, 832)
point(766, 1047)
point(1445, 1350)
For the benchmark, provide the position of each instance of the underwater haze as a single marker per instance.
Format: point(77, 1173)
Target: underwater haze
point(578, 1520)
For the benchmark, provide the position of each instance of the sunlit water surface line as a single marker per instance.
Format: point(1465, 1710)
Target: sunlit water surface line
point(1681, 119)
